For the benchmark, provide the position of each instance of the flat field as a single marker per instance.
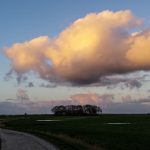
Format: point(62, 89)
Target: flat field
point(105, 132)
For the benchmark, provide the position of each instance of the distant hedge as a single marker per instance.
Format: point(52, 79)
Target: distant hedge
point(76, 110)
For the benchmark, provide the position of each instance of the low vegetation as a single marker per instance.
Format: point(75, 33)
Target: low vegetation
point(103, 132)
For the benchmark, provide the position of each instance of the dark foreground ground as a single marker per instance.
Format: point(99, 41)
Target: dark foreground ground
point(87, 132)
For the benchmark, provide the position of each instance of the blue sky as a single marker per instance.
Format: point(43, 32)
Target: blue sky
point(24, 20)
point(21, 20)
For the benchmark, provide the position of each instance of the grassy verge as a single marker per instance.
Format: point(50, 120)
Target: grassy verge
point(64, 142)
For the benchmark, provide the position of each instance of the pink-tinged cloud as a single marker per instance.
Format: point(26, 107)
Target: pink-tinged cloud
point(106, 101)
point(93, 46)
point(92, 98)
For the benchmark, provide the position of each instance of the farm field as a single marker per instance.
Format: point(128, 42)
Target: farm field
point(105, 132)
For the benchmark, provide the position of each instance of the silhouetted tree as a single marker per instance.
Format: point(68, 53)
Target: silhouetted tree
point(59, 110)
point(77, 110)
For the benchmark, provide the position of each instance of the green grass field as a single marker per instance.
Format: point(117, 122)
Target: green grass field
point(82, 133)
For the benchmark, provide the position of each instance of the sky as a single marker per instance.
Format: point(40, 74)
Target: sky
point(75, 52)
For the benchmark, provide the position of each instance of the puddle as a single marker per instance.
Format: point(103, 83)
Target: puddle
point(48, 120)
point(117, 123)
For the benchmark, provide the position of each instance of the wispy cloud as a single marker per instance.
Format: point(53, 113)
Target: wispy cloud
point(106, 101)
point(30, 84)
point(50, 85)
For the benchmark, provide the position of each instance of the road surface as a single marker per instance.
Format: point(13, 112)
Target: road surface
point(14, 140)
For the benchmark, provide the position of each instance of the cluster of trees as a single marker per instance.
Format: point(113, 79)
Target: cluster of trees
point(76, 110)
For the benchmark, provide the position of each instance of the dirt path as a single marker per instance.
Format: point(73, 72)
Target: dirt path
point(14, 140)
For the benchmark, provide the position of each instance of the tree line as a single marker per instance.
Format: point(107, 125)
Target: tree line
point(76, 110)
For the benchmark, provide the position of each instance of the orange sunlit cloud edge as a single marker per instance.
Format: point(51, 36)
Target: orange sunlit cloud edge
point(91, 47)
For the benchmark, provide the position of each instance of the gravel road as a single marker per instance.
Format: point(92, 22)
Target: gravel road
point(14, 140)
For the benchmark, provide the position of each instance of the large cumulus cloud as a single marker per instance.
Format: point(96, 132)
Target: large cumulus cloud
point(93, 46)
